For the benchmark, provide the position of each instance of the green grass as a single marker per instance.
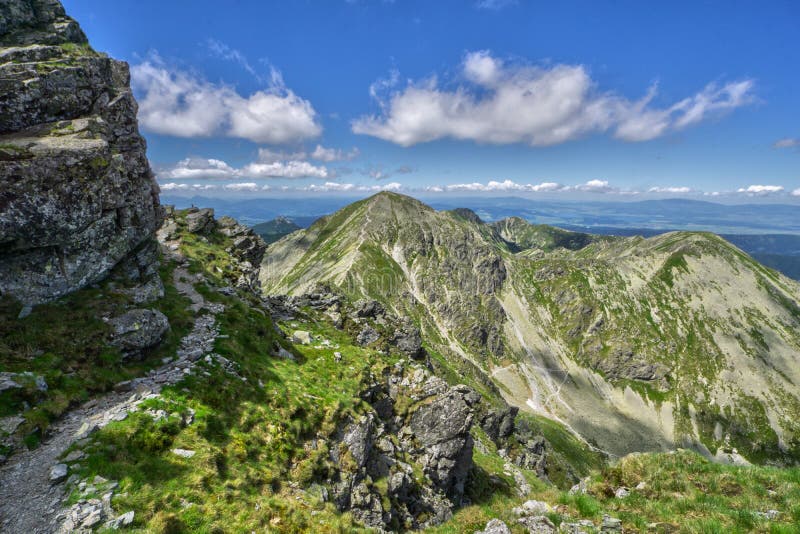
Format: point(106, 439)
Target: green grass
point(66, 343)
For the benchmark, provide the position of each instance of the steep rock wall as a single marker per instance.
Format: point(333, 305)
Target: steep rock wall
point(77, 195)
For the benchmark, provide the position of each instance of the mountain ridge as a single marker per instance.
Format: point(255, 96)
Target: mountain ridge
point(626, 324)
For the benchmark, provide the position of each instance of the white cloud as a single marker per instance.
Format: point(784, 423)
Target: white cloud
point(284, 169)
point(760, 190)
point(172, 186)
point(214, 169)
point(787, 142)
point(505, 185)
point(796, 192)
point(345, 187)
point(321, 153)
point(596, 186)
point(182, 104)
point(511, 103)
point(244, 186)
point(670, 189)
point(199, 168)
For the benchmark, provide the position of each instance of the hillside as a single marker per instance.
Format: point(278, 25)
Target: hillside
point(636, 344)
point(275, 229)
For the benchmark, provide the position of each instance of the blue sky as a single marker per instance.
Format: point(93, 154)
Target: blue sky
point(618, 99)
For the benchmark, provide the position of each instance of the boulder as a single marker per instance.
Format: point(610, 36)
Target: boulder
point(495, 526)
point(58, 473)
point(138, 330)
point(407, 339)
point(499, 424)
point(610, 525)
point(303, 337)
point(369, 308)
point(537, 524)
point(367, 336)
point(200, 221)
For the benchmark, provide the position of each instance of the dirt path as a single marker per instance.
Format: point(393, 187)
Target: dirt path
point(29, 502)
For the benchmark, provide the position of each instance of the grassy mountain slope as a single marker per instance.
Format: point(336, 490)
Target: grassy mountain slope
point(637, 344)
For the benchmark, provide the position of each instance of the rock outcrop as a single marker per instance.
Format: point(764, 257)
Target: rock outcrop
point(416, 438)
point(77, 195)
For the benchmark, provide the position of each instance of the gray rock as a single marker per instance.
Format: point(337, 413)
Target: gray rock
point(532, 508)
point(622, 492)
point(442, 429)
point(183, 453)
point(200, 221)
point(369, 308)
point(77, 195)
point(74, 456)
point(537, 524)
point(584, 526)
point(121, 521)
point(149, 291)
point(138, 329)
point(499, 424)
point(611, 524)
point(303, 337)
point(10, 424)
point(58, 473)
point(7, 382)
point(495, 526)
point(367, 336)
point(408, 340)
point(358, 438)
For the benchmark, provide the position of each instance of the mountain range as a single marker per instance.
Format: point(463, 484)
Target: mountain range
point(636, 344)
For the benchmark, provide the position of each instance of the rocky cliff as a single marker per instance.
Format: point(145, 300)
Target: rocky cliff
point(77, 195)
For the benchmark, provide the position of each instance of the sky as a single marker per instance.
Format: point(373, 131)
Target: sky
point(575, 100)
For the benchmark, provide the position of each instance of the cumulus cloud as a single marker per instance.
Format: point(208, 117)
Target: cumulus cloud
point(760, 190)
point(215, 169)
point(321, 153)
point(596, 186)
point(182, 104)
point(796, 192)
point(284, 169)
point(199, 168)
point(787, 142)
point(500, 102)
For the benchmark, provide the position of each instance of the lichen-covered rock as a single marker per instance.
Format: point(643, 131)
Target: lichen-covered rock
point(137, 330)
point(495, 526)
point(200, 221)
point(367, 336)
point(442, 430)
point(499, 424)
point(77, 195)
point(408, 339)
point(396, 444)
point(25, 22)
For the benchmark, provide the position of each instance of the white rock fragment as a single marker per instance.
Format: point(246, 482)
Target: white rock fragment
point(183, 453)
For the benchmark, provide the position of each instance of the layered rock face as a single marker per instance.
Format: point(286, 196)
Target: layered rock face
point(77, 195)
